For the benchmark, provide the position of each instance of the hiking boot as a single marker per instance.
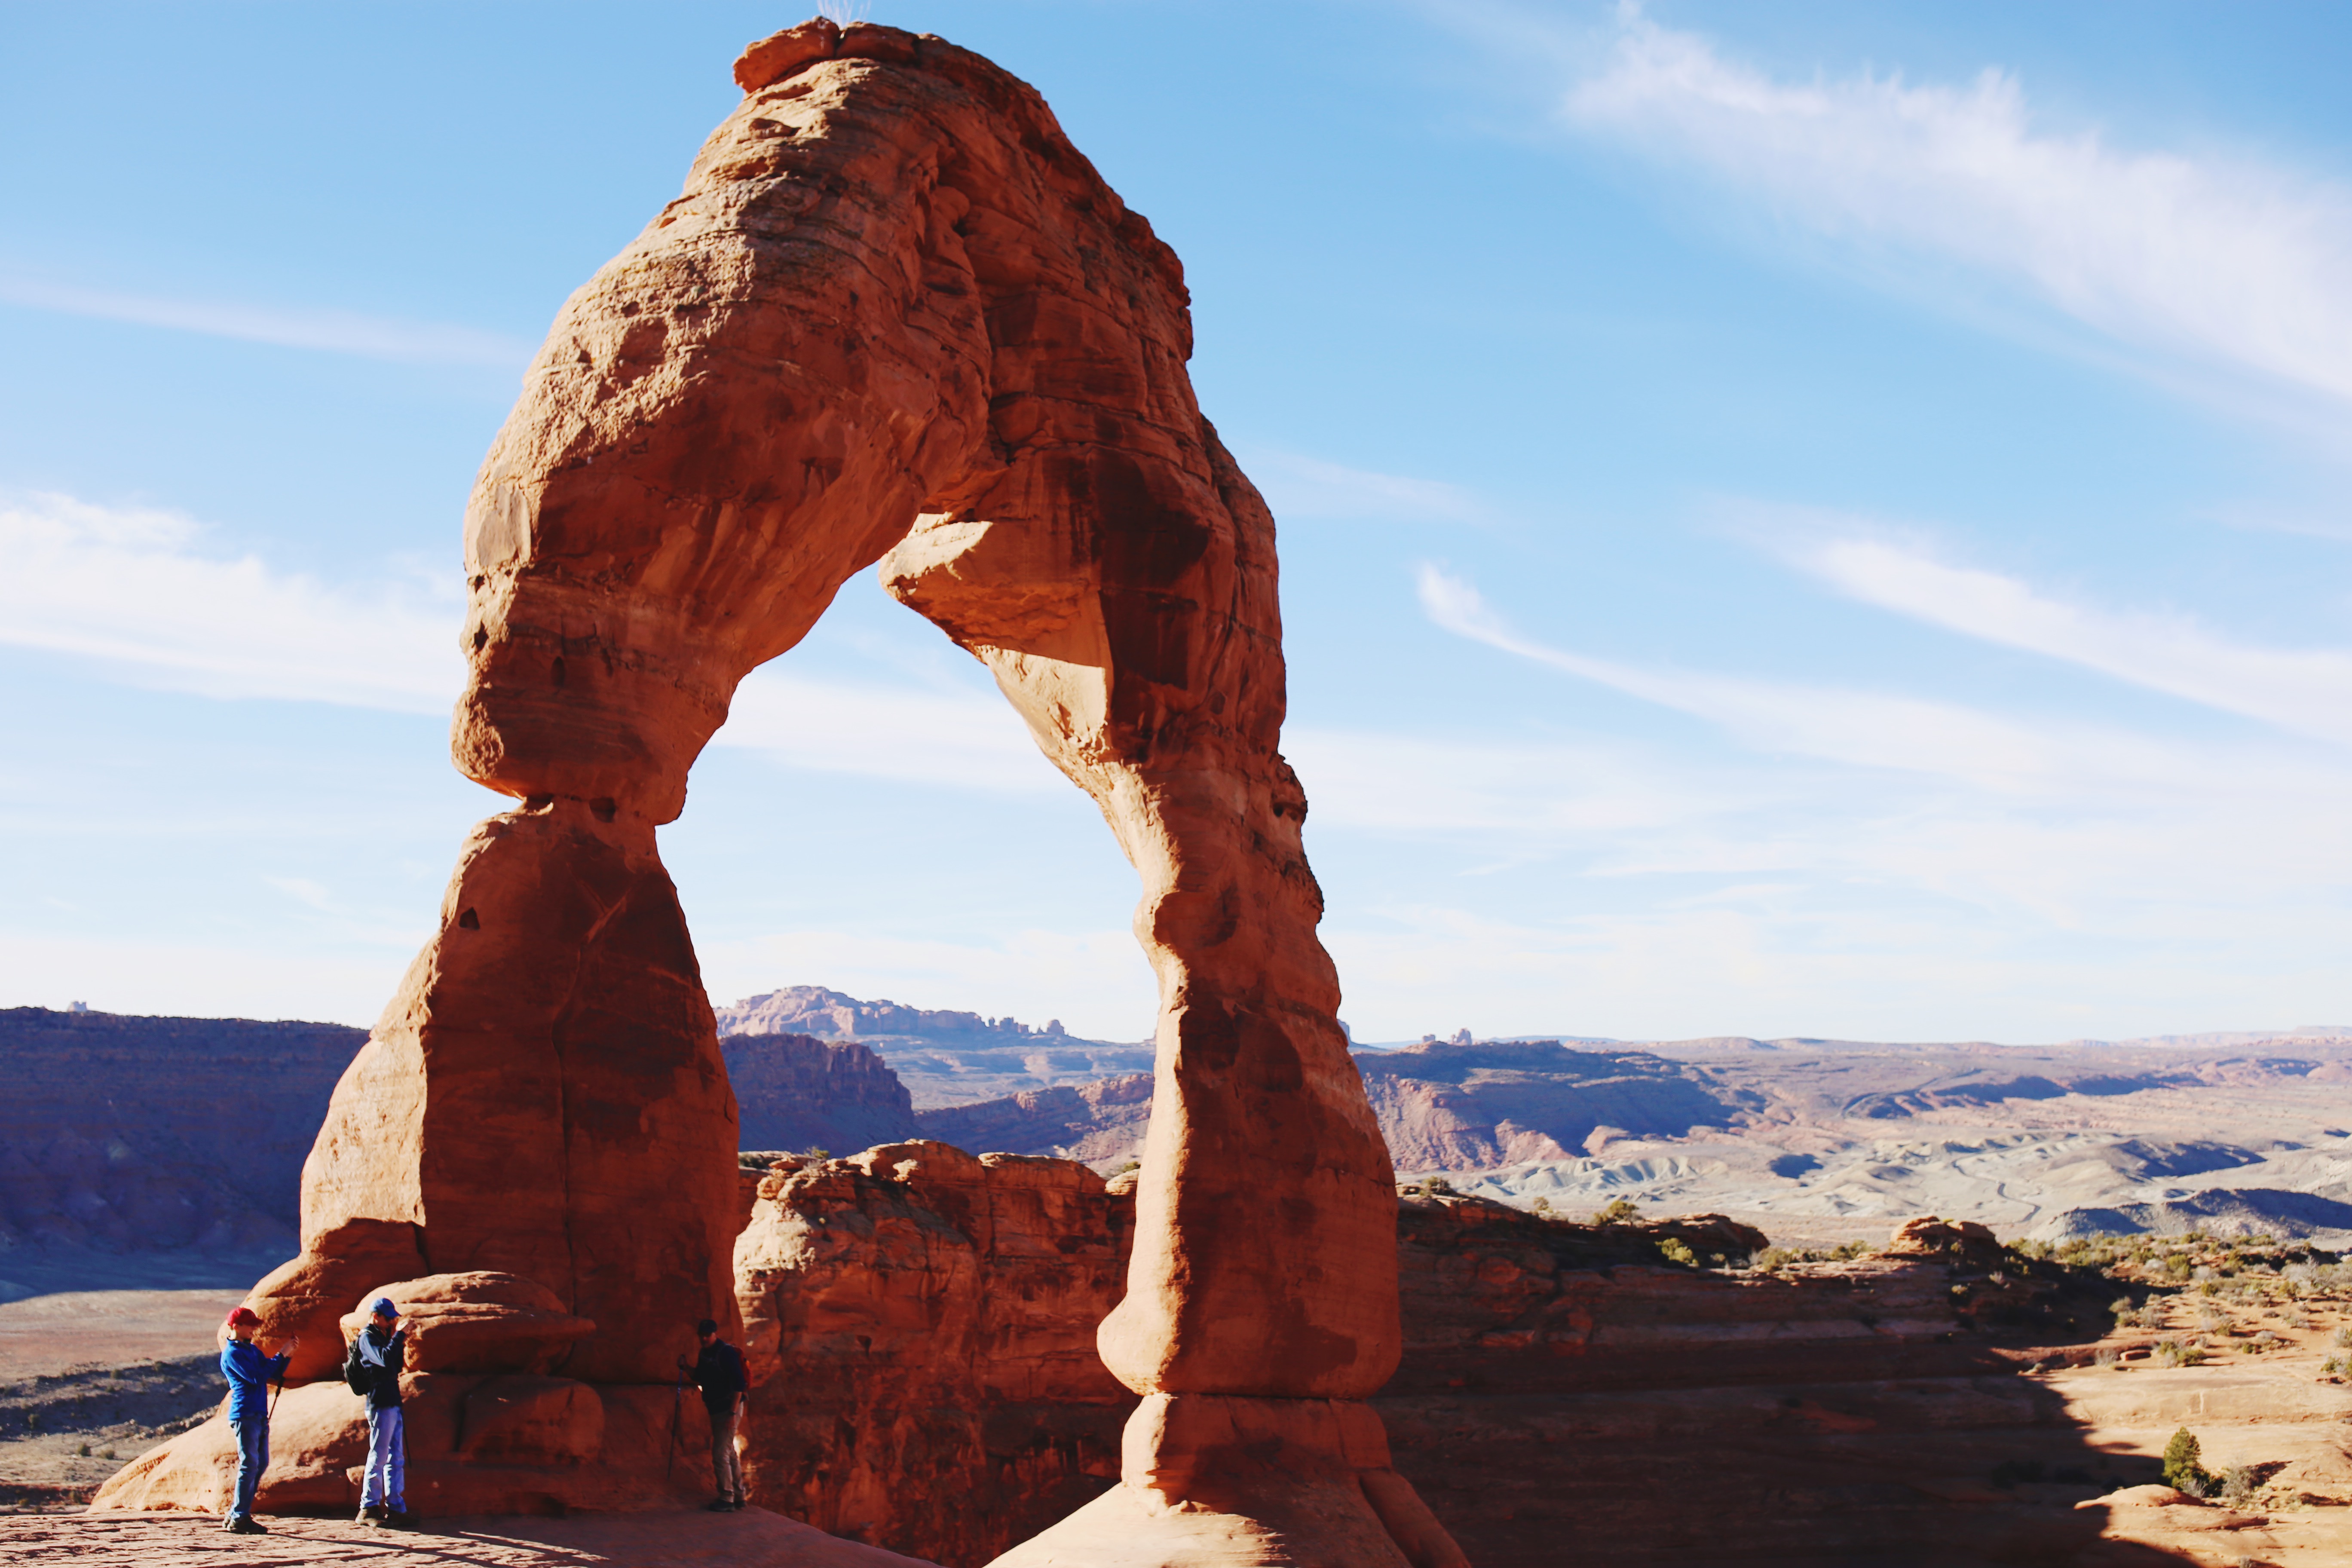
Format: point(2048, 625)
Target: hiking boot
point(246, 1524)
point(720, 1505)
point(374, 1513)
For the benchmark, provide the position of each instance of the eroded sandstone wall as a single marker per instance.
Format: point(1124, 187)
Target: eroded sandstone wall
point(919, 1327)
point(916, 1317)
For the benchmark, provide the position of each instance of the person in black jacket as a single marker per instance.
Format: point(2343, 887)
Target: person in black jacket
point(719, 1373)
point(374, 1364)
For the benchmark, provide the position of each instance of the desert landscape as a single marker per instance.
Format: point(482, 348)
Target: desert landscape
point(1726, 1283)
point(961, 1290)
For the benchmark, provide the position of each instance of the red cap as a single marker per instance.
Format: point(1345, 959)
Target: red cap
point(243, 1315)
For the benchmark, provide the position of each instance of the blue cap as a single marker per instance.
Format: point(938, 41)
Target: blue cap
point(383, 1308)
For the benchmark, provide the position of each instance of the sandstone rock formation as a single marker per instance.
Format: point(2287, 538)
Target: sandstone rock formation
point(919, 1327)
point(490, 1427)
point(795, 1093)
point(918, 1321)
point(894, 317)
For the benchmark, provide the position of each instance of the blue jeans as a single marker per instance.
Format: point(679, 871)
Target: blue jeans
point(387, 1462)
point(252, 1459)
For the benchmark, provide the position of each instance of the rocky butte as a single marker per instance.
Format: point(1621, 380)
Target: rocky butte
point(895, 319)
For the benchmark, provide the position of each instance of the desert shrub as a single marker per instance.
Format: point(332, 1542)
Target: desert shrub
point(1774, 1257)
point(1676, 1252)
point(2105, 1359)
point(1436, 1184)
point(1543, 1206)
point(2212, 1320)
point(84, 1450)
point(2172, 1353)
point(2235, 1485)
point(2342, 1337)
point(1845, 1249)
point(2035, 1250)
point(107, 1454)
point(2336, 1366)
point(2181, 1468)
point(2179, 1265)
point(1617, 1213)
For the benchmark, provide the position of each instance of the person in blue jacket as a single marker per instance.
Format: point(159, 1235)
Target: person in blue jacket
point(249, 1374)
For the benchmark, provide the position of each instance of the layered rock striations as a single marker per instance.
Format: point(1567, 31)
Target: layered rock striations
point(114, 1134)
point(944, 1056)
point(894, 317)
point(795, 1093)
point(918, 1319)
point(1102, 1123)
point(919, 1328)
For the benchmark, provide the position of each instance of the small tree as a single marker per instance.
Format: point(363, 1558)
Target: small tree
point(2181, 1468)
point(1617, 1213)
point(1678, 1252)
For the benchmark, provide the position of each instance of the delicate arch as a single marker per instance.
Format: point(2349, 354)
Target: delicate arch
point(894, 317)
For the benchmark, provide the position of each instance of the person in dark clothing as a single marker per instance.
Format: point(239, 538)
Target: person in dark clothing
point(374, 1364)
point(719, 1373)
point(249, 1374)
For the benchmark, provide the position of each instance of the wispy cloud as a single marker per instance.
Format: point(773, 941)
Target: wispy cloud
point(1862, 729)
point(134, 590)
point(286, 326)
point(1302, 487)
point(2227, 261)
point(2305, 690)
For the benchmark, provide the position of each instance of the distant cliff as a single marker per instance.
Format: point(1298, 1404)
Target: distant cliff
point(1469, 1107)
point(134, 1133)
point(1096, 1122)
point(1441, 1106)
point(798, 1094)
point(943, 1057)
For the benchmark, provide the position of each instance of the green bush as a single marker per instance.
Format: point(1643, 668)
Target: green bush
point(1676, 1252)
point(1436, 1184)
point(1617, 1213)
point(2181, 1468)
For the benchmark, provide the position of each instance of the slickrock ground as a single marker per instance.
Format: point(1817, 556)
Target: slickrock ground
point(621, 1540)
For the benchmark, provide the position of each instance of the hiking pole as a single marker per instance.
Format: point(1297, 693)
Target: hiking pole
point(291, 1345)
point(676, 1411)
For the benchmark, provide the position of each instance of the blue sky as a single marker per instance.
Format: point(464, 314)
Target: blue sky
point(1826, 519)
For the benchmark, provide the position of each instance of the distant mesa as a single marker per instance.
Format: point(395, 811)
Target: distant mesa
point(2230, 1211)
point(135, 1134)
point(943, 1057)
point(798, 1093)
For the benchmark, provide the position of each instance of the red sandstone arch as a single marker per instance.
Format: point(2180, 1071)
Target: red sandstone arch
point(896, 317)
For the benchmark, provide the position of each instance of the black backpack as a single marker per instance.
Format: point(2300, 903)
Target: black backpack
point(357, 1374)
